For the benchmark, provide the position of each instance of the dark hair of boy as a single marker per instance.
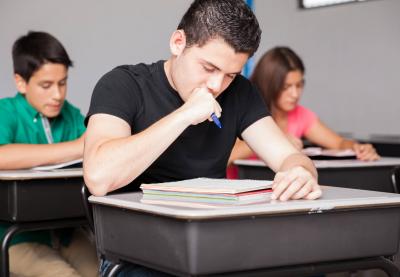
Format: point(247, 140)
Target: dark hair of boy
point(231, 20)
point(31, 51)
point(270, 72)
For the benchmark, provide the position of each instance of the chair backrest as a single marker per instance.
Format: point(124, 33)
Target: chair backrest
point(87, 206)
point(395, 176)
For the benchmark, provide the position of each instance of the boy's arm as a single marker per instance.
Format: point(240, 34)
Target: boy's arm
point(296, 175)
point(113, 157)
point(19, 156)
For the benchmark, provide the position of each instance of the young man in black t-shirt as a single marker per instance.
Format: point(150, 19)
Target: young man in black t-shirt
point(152, 123)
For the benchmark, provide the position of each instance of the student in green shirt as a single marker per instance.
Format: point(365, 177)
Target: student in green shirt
point(38, 127)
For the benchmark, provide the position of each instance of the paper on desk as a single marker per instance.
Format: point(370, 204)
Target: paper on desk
point(318, 151)
point(73, 163)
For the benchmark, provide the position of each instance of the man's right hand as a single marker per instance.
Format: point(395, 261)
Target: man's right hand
point(199, 106)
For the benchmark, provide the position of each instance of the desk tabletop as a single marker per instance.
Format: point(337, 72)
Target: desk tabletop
point(28, 174)
point(384, 161)
point(334, 198)
point(386, 139)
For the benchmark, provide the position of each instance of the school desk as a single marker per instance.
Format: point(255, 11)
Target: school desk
point(378, 175)
point(386, 145)
point(345, 230)
point(38, 200)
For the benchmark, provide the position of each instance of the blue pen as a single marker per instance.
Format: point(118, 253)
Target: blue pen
point(216, 120)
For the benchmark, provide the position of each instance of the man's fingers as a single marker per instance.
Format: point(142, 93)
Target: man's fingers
point(294, 187)
point(280, 187)
point(305, 190)
point(315, 194)
point(296, 183)
point(278, 177)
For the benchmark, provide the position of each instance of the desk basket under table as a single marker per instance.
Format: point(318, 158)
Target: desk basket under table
point(34, 196)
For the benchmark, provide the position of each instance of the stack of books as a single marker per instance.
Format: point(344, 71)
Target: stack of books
point(206, 192)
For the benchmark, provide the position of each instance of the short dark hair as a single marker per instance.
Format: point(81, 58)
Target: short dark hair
point(270, 72)
point(31, 51)
point(231, 20)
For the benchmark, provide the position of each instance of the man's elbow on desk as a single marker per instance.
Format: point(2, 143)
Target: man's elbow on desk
point(96, 182)
point(101, 181)
point(96, 189)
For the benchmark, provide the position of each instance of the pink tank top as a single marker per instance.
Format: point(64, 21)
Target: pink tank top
point(300, 120)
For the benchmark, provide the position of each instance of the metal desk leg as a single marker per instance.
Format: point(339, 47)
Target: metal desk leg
point(321, 268)
point(114, 270)
point(4, 260)
point(382, 263)
point(31, 226)
point(389, 267)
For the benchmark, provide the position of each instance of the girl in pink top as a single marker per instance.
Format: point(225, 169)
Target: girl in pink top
point(279, 76)
point(299, 121)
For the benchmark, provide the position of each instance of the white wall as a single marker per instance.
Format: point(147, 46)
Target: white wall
point(97, 34)
point(351, 52)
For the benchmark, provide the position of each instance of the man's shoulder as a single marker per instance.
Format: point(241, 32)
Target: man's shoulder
point(138, 70)
point(126, 76)
point(241, 83)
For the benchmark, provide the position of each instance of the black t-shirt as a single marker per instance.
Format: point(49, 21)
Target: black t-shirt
point(141, 95)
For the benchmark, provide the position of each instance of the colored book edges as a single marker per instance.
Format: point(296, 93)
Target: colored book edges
point(257, 195)
point(205, 191)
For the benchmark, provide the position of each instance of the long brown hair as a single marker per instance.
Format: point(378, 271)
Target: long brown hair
point(270, 72)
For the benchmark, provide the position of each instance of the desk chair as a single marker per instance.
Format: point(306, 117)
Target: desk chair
point(395, 176)
point(86, 205)
point(114, 268)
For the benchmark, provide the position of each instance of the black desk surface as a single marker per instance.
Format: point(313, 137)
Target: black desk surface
point(385, 145)
point(357, 174)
